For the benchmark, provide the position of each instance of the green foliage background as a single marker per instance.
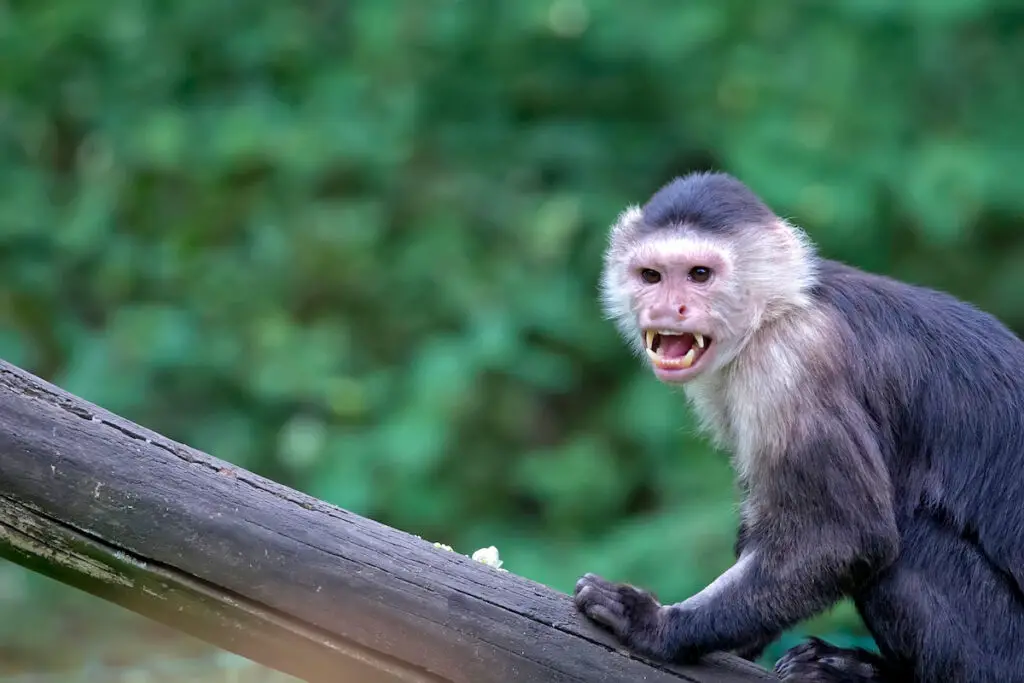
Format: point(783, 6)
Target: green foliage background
point(353, 245)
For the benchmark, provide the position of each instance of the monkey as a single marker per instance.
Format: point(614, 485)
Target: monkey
point(876, 432)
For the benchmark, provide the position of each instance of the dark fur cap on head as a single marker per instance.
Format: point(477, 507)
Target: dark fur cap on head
point(715, 202)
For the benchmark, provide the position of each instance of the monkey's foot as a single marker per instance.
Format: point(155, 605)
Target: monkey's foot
point(631, 614)
point(815, 661)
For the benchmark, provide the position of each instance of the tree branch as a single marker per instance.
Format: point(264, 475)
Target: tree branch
point(284, 579)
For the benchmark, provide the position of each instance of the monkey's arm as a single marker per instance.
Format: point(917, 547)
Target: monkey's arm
point(823, 522)
point(753, 650)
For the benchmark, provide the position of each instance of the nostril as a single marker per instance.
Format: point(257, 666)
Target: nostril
point(682, 310)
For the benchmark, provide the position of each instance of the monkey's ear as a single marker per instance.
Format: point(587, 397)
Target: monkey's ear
point(796, 240)
point(627, 222)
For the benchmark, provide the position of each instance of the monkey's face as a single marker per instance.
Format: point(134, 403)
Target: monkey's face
point(667, 296)
point(672, 299)
point(688, 301)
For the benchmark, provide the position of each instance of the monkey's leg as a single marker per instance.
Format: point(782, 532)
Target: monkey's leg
point(943, 613)
point(947, 609)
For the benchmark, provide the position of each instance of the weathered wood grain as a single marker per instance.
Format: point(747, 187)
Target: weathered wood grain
point(272, 574)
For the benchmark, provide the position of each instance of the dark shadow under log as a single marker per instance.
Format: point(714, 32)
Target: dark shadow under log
point(259, 569)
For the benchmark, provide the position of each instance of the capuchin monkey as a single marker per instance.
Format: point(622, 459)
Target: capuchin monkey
point(877, 433)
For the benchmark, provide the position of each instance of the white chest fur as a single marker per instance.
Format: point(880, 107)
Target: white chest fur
point(752, 405)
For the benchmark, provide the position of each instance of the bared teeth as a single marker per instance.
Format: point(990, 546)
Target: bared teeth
point(685, 361)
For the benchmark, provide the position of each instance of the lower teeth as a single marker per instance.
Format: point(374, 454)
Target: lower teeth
point(684, 362)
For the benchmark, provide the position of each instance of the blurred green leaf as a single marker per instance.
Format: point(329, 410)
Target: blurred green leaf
point(355, 246)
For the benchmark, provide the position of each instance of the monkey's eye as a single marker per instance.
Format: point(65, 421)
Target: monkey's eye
point(700, 274)
point(650, 276)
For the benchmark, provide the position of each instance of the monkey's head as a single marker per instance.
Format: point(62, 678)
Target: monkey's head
point(690, 277)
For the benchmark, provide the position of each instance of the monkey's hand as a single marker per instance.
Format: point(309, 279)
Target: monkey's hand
point(633, 615)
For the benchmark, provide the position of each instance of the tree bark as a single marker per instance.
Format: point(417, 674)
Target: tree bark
point(265, 571)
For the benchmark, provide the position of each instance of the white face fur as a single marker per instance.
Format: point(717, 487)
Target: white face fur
point(688, 302)
point(753, 312)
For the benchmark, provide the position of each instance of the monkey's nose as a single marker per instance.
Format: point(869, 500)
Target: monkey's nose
point(682, 310)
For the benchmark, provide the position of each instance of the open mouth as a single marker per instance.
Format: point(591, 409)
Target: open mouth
point(675, 350)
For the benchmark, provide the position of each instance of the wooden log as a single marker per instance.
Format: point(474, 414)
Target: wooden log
point(289, 581)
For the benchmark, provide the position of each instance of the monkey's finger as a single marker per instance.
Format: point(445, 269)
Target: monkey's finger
point(597, 582)
point(606, 617)
point(590, 597)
